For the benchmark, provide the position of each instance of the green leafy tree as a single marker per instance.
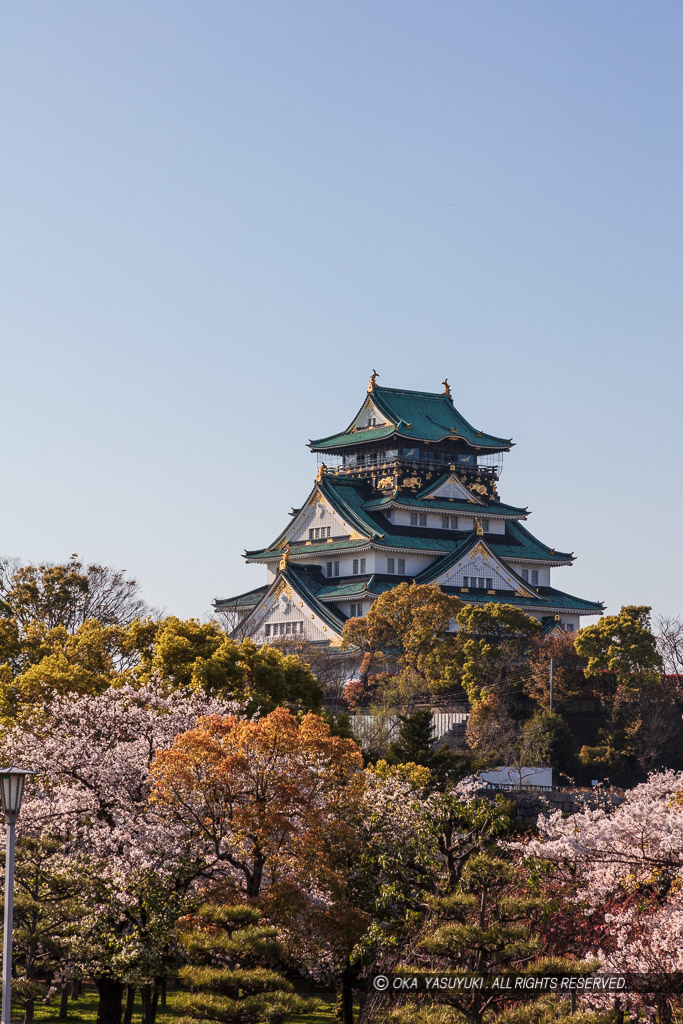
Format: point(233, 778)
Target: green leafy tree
point(39, 661)
point(203, 656)
point(491, 649)
point(623, 645)
point(231, 958)
point(546, 739)
point(409, 626)
point(69, 595)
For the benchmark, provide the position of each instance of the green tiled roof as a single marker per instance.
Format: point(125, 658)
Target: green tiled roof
point(375, 584)
point(349, 498)
point(518, 542)
point(418, 416)
point(548, 597)
point(307, 582)
point(247, 600)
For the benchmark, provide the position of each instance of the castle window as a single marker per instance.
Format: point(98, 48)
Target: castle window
point(485, 525)
point(355, 567)
point(401, 566)
point(356, 611)
point(413, 518)
point(489, 583)
point(525, 575)
point(390, 565)
point(268, 629)
point(422, 519)
point(363, 564)
point(534, 577)
point(445, 522)
point(336, 568)
point(329, 568)
point(310, 534)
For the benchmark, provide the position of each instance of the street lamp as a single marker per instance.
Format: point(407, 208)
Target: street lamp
point(11, 790)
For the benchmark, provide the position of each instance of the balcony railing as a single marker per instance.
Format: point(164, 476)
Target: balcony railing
point(409, 464)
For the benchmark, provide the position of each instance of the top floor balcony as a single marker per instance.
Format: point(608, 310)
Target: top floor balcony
point(412, 460)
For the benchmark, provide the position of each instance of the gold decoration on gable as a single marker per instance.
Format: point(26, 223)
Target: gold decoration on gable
point(479, 488)
point(412, 481)
point(355, 535)
point(479, 549)
point(386, 481)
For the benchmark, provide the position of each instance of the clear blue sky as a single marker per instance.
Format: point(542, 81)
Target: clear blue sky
point(218, 217)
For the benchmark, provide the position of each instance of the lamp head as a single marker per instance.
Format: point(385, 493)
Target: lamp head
point(12, 790)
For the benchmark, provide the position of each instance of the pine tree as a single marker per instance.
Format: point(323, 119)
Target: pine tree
point(415, 745)
point(231, 957)
point(487, 926)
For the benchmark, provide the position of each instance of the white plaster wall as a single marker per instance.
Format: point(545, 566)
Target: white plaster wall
point(376, 561)
point(543, 572)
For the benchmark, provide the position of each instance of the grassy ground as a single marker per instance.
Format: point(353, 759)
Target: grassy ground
point(84, 1011)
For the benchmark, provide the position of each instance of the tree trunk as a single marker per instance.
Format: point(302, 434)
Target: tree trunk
point(150, 1001)
point(64, 1003)
point(347, 995)
point(29, 1009)
point(76, 988)
point(664, 1010)
point(130, 1004)
point(162, 993)
point(109, 1007)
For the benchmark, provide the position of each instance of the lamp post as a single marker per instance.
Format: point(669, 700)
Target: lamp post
point(11, 790)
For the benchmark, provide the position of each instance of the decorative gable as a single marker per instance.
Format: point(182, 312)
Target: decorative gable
point(369, 416)
point(283, 613)
point(479, 563)
point(452, 488)
point(316, 522)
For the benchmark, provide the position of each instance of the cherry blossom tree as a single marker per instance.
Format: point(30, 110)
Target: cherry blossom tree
point(132, 861)
point(624, 869)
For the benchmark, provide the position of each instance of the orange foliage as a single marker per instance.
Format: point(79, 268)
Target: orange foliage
point(263, 796)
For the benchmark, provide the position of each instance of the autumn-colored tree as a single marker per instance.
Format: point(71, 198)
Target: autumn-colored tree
point(491, 731)
point(569, 681)
point(258, 795)
point(410, 626)
point(491, 649)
